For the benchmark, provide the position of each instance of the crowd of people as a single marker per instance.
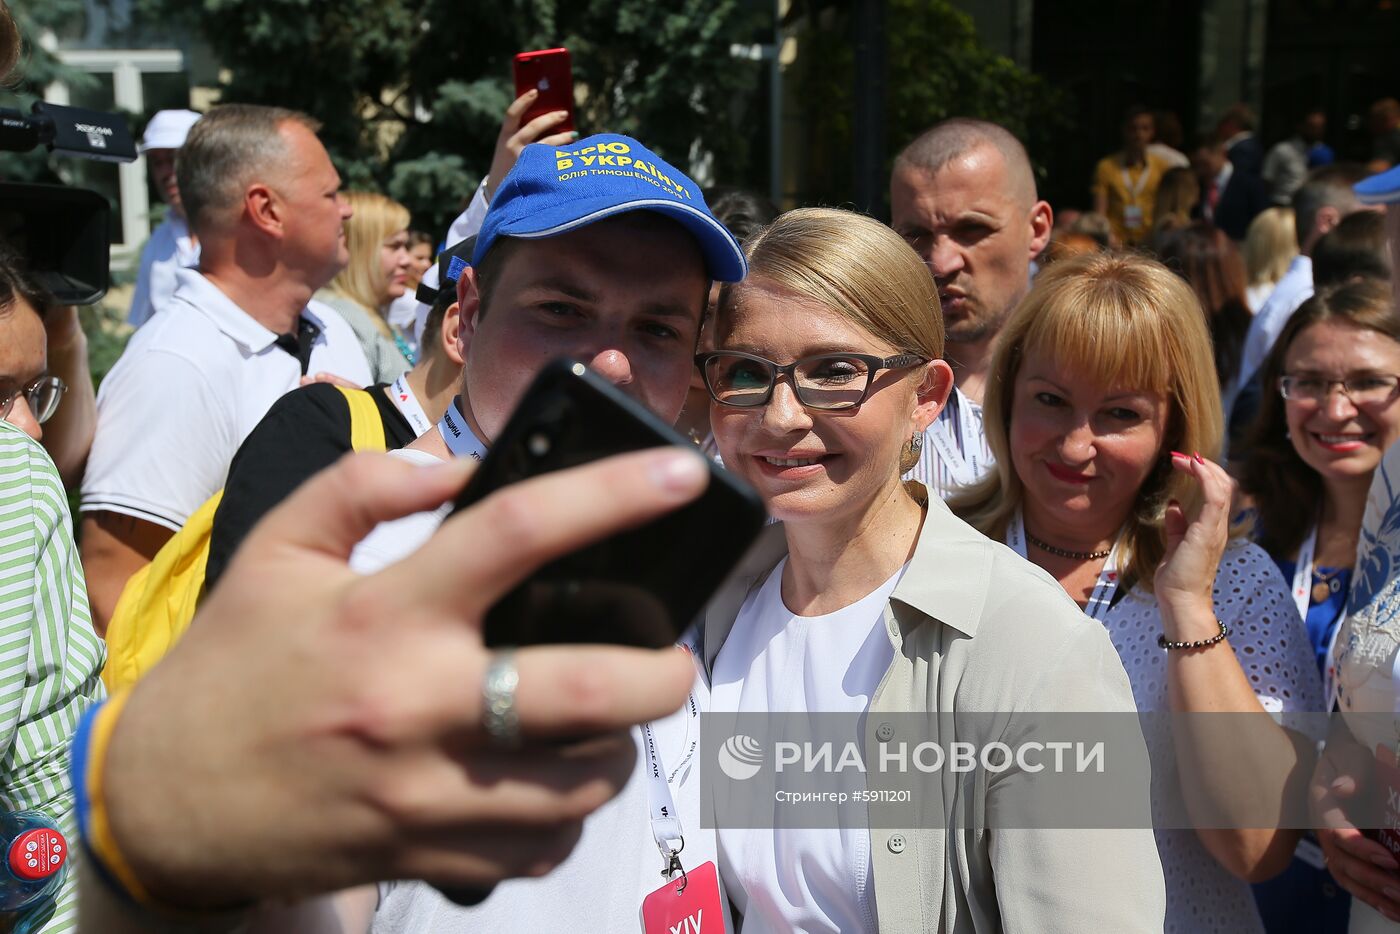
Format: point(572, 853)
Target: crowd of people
point(1017, 460)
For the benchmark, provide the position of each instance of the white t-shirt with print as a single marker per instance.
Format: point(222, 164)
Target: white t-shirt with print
point(789, 879)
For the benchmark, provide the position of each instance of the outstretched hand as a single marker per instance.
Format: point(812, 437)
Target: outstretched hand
point(316, 729)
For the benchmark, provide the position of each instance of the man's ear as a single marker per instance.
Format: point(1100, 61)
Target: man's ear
point(468, 311)
point(264, 209)
point(933, 392)
point(450, 333)
point(1042, 225)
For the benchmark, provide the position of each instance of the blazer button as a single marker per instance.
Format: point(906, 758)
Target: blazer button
point(884, 732)
point(897, 843)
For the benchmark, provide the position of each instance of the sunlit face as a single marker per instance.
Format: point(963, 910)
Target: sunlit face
point(23, 359)
point(1336, 437)
point(623, 296)
point(976, 233)
point(1082, 450)
point(314, 239)
point(394, 263)
point(807, 463)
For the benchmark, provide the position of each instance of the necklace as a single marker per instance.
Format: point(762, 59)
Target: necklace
point(1065, 553)
point(1325, 585)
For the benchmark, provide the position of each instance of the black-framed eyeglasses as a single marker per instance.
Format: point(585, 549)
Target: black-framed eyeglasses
point(43, 396)
point(1370, 389)
point(826, 381)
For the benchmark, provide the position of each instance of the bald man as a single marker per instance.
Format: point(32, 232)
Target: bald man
point(963, 196)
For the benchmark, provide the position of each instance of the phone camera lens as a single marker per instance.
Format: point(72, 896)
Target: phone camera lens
point(538, 444)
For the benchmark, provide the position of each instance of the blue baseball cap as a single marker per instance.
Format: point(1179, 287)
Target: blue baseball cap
point(1380, 189)
point(555, 189)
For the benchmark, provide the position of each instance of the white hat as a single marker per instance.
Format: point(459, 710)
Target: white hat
point(168, 129)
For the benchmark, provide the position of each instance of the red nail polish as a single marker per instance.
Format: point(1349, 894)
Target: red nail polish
point(1199, 458)
point(1179, 454)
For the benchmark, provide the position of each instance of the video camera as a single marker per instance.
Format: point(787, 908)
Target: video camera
point(62, 231)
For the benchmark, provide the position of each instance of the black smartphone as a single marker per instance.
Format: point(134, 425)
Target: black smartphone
point(641, 586)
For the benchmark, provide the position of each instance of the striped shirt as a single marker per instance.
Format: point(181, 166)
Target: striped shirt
point(50, 656)
point(955, 451)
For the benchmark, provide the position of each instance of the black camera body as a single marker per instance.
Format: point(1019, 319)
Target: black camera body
point(62, 232)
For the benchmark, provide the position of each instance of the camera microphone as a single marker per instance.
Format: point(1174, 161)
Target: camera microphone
point(68, 131)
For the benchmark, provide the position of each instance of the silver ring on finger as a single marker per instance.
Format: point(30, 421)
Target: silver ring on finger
point(499, 716)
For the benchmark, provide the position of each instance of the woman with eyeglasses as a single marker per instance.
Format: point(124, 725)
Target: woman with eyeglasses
point(1104, 415)
point(29, 392)
point(870, 599)
point(1319, 437)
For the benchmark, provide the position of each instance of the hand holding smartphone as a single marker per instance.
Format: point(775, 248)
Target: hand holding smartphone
point(640, 587)
point(550, 72)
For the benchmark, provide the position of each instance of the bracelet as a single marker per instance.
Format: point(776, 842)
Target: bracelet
point(1165, 643)
point(86, 768)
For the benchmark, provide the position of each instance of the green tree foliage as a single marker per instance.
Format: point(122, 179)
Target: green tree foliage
point(411, 92)
point(936, 68)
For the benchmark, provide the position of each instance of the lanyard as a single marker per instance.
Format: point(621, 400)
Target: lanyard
point(665, 822)
point(1302, 596)
point(1105, 588)
point(458, 437)
point(401, 394)
point(960, 454)
point(1302, 574)
point(1132, 189)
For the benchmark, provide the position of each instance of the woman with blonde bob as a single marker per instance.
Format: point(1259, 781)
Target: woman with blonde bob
point(1270, 244)
point(376, 237)
point(869, 598)
point(1104, 414)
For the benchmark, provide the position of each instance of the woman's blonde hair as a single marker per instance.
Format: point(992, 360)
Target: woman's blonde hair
point(1270, 244)
point(375, 220)
point(854, 265)
point(1121, 320)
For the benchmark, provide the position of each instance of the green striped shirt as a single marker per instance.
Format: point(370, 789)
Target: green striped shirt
point(50, 656)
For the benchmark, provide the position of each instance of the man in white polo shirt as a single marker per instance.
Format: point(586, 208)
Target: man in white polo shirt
point(171, 245)
point(263, 198)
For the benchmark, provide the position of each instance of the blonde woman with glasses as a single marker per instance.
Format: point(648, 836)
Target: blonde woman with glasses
point(870, 598)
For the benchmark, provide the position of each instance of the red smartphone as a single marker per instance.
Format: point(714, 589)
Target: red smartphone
point(550, 72)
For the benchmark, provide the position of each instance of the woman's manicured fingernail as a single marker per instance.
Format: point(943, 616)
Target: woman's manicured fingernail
point(573, 134)
point(1199, 458)
point(678, 471)
point(1179, 454)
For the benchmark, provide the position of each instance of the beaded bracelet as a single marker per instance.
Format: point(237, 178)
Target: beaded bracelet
point(1165, 643)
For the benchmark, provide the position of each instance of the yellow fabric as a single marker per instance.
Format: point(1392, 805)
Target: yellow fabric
point(366, 427)
point(1108, 179)
point(159, 600)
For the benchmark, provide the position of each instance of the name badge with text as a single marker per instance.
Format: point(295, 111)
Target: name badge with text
point(692, 908)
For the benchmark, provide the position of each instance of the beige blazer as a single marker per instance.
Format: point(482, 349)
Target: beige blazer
point(975, 627)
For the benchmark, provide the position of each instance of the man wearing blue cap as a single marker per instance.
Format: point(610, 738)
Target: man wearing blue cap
point(603, 252)
point(599, 251)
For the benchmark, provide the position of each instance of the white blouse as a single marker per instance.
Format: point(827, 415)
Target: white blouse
point(1271, 643)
